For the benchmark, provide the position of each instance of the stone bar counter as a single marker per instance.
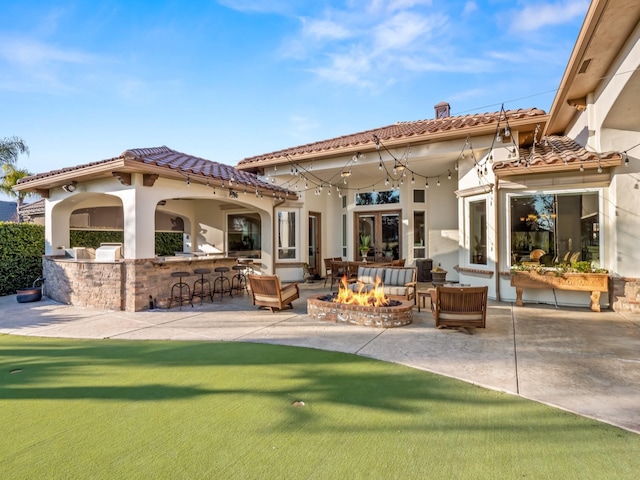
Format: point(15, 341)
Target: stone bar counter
point(127, 285)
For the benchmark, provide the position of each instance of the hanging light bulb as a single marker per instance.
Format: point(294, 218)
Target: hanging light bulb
point(188, 181)
point(507, 131)
point(599, 169)
point(438, 184)
point(485, 170)
point(626, 159)
point(581, 167)
point(214, 190)
point(456, 166)
point(380, 165)
point(222, 184)
point(449, 175)
point(498, 136)
point(413, 179)
point(426, 183)
point(395, 171)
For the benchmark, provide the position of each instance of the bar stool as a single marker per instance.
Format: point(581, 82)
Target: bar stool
point(239, 280)
point(202, 283)
point(180, 286)
point(222, 280)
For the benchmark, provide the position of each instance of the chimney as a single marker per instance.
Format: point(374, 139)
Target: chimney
point(443, 110)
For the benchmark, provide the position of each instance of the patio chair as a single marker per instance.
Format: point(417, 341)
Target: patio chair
point(459, 307)
point(267, 291)
point(338, 270)
point(328, 269)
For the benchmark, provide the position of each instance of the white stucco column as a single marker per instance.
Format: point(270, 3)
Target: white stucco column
point(56, 227)
point(139, 221)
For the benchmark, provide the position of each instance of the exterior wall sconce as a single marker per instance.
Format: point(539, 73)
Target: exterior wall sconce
point(70, 187)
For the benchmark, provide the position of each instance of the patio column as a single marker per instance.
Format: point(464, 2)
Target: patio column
point(139, 222)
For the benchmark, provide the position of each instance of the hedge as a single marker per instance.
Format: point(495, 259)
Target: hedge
point(21, 251)
point(22, 248)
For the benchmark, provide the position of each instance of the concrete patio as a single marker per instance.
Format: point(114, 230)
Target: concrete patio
point(574, 359)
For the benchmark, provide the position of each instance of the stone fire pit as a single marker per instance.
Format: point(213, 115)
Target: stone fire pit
point(396, 315)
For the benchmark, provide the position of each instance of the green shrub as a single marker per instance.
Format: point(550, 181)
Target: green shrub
point(21, 251)
point(22, 248)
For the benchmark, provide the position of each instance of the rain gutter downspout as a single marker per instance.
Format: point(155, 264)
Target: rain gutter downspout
point(497, 239)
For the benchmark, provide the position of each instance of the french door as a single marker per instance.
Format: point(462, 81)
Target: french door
point(384, 231)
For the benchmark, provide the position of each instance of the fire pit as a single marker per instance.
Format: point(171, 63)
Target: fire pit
point(370, 309)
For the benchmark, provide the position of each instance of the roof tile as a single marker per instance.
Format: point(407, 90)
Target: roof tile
point(397, 130)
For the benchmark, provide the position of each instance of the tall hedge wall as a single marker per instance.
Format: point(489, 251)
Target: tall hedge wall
point(22, 248)
point(21, 251)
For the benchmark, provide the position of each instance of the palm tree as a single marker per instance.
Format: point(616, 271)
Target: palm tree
point(10, 149)
point(10, 177)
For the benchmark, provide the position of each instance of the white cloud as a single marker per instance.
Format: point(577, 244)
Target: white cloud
point(259, 6)
point(540, 15)
point(469, 8)
point(324, 29)
point(30, 53)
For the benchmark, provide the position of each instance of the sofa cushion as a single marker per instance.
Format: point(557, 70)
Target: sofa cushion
point(369, 274)
point(395, 291)
point(398, 276)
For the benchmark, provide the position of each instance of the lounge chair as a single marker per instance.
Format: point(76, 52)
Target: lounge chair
point(459, 307)
point(267, 291)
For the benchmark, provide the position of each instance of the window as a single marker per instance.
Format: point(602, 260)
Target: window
point(419, 249)
point(287, 235)
point(419, 196)
point(478, 232)
point(555, 228)
point(244, 233)
point(378, 198)
point(344, 235)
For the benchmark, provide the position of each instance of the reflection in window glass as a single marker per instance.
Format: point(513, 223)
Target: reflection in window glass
point(419, 250)
point(287, 249)
point(244, 233)
point(478, 229)
point(378, 198)
point(550, 229)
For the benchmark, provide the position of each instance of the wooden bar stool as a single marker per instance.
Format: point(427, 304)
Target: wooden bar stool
point(180, 287)
point(225, 283)
point(202, 286)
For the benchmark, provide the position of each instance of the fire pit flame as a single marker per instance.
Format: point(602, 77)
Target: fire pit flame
point(372, 298)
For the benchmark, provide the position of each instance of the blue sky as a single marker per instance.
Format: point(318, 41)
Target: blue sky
point(82, 81)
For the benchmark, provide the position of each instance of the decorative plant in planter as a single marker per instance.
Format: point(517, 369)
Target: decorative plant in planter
point(306, 273)
point(438, 275)
point(577, 276)
point(365, 242)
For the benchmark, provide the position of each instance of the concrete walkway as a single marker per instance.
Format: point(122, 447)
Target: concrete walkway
point(575, 359)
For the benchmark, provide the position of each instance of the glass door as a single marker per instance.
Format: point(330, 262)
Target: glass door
point(383, 231)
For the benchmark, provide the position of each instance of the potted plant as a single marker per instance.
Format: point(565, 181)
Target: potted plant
point(365, 242)
point(438, 275)
point(306, 273)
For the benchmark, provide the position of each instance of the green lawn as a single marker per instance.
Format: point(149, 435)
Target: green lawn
point(197, 410)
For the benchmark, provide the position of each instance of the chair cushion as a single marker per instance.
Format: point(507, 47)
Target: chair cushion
point(369, 274)
point(396, 291)
point(398, 276)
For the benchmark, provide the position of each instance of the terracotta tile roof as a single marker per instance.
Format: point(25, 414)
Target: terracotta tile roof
point(556, 153)
point(189, 164)
point(165, 157)
point(399, 130)
point(33, 208)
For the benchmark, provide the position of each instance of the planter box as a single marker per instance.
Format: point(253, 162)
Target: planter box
point(585, 282)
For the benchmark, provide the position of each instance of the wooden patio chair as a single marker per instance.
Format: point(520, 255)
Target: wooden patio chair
point(267, 291)
point(338, 270)
point(459, 307)
point(328, 269)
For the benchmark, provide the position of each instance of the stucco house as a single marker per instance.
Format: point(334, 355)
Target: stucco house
point(476, 194)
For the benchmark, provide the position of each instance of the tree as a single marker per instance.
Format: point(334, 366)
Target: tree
point(10, 149)
point(10, 177)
